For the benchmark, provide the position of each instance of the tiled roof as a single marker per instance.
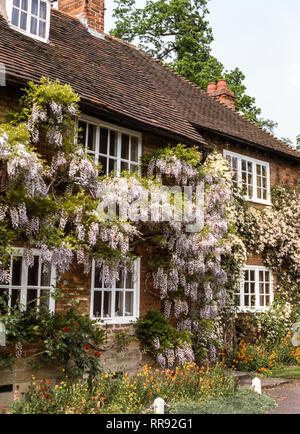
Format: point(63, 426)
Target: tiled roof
point(117, 77)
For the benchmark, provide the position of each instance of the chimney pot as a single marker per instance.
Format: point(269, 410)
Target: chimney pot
point(211, 86)
point(222, 84)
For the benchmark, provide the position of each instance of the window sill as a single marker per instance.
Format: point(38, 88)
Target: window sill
point(252, 309)
point(113, 321)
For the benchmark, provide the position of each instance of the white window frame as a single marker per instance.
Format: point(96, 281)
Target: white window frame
point(9, 9)
point(119, 131)
point(254, 162)
point(136, 298)
point(257, 308)
point(24, 281)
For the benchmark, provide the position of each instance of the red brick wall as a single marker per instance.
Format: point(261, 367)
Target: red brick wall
point(92, 10)
point(281, 170)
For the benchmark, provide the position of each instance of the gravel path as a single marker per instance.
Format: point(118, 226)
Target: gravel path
point(287, 397)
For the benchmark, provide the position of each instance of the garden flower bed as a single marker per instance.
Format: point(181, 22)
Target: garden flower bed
point(118, 393)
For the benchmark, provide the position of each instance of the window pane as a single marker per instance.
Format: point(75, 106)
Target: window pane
point(98, 278)
point(33, 26)
point(46, 276)
point(259, 193)
point(34, 7)
point(23, 22)
point(91, 137)
point(125, 147)
point(129, 304)
point(113, 147)
point(15, 17)
point(119, 303)
point(33, 273)
point(129, 280)
point(3, 293)
point(45, 299)
point(82, 132)
point(43, 10)
point(103, 140)
point(107, 304)
point(42, 29)
point(261, 276)
point(31, 298)
point(124, 166)
point(25, 5)
point(134, 149)
point(97, 303)
point(133, 168)
point(103, 161)
point(17, 271)
point(16, 3)
point(252, 275)
point(120, 282)
point(112, 165)
point(15, 297)
point(261, 300)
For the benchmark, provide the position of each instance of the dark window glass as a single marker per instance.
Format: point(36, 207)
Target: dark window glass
point(82, 132)
point(103, 140)
point(15, 297)
point(33, 273)
point(103, 161)
point(17, 271)
point(31, 298)
point(134, 149)
point(46, 276)
point(113, 147)
point(45, 299)
point(97, 303)
point(125, 147)
point(119, 303)
point(107, 305)
point(98, 278)
point(92, 137)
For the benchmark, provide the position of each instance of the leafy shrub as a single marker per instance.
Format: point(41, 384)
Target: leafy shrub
point(154, 325)
point(112, 393)
point(68, 338)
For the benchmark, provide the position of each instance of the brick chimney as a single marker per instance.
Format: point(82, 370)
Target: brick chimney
point(89, 12)
point(221, 93)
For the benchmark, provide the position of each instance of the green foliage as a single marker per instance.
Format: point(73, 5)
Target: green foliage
point(65, 338)
point(243, 402)
point(155, 325)
point(118, 393)
point(177, 33)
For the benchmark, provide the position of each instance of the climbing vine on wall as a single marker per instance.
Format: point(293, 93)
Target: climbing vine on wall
point(56, 202)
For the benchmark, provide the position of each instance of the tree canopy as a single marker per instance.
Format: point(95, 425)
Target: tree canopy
point(177, 33)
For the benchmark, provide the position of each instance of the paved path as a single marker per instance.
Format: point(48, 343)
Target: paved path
point(287, 397)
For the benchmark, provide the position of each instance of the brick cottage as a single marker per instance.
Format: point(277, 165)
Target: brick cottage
point(132, 101)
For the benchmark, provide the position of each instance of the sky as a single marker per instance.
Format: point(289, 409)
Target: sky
point(262, 38)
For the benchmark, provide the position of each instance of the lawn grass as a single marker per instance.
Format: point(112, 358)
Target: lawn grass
point(290, 372)
point(242, 402)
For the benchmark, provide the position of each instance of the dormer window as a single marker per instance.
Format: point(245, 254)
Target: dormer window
point(31, 17)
